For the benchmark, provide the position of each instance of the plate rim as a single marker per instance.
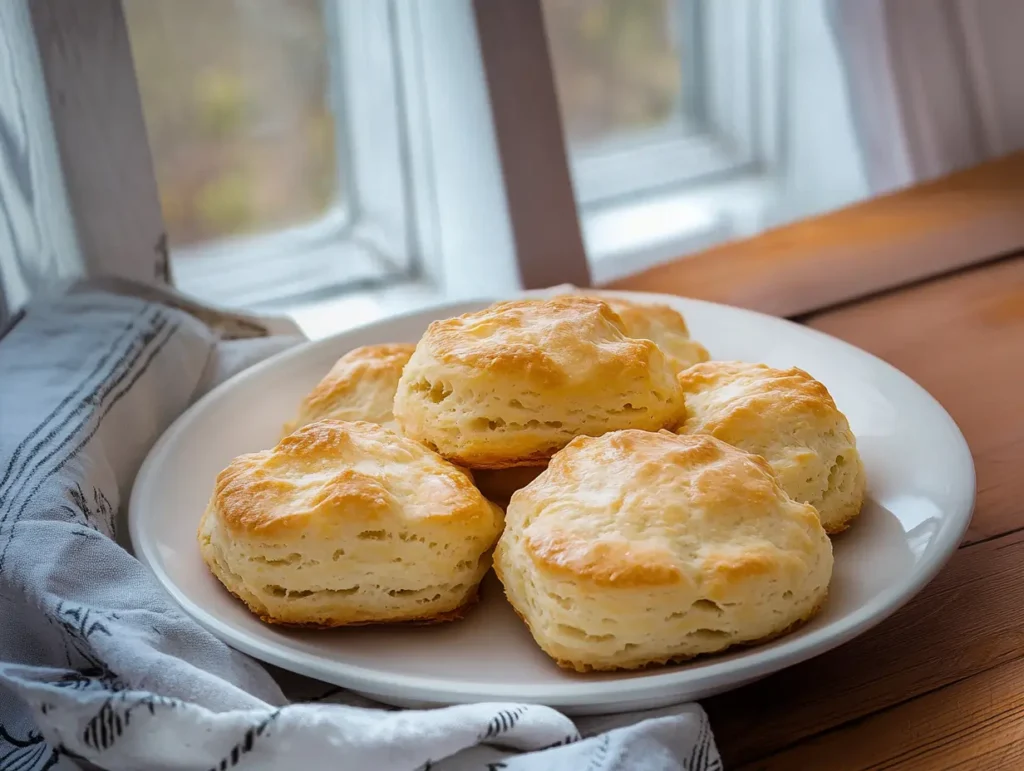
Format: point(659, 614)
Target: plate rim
point(635, 685)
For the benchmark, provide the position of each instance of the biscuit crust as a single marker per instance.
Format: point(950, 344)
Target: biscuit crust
point(360, 386)
point(638, 548)
point(348, 523)
point(512, 384)
point(665, 326)
point(790, 419)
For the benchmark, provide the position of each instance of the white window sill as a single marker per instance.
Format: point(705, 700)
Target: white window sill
point(321, 258)
point(321, 318)
point(621, 240)
point(630, 237)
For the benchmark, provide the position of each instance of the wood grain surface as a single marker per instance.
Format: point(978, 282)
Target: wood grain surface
point(963, 624)
point(924, 231)
point(962, 338)
point(941, 683)
point(976, 723)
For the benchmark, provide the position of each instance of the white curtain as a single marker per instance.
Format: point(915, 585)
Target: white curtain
point(934, 85)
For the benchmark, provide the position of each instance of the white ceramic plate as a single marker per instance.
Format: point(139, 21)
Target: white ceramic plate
point(920, 486)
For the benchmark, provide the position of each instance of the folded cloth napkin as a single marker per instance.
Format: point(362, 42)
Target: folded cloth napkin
point(99, 668)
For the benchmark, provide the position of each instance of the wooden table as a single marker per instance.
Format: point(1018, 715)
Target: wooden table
point(941, 683)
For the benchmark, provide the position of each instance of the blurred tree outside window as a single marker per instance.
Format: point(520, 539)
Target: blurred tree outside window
point(618, 68)
point(237, 101)
point(235, 95)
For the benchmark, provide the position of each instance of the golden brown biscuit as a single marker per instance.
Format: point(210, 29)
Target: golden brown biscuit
point(360, 386)
point(348, 523)
point(510, 385)
point(662, 324)
point(789, 418)
point(638, 548)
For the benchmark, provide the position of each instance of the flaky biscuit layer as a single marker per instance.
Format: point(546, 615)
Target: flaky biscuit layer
point(790, 419)
point(348, 523)
point(636, 548)
point(514, 383)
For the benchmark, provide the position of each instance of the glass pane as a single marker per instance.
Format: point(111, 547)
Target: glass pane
point(618, 66)
point(234, 96)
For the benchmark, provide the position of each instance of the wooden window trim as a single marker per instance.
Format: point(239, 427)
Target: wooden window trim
point(531, 146)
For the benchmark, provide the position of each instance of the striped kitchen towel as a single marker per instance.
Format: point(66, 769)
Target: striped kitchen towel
point(98, 666)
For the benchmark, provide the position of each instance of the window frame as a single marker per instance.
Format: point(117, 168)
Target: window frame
point(38, 237)
point(733, 72)
point(363, 240)
point(724, 180)
point(701, 187)
point(454, 222)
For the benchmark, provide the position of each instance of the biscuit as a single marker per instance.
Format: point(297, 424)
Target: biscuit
point(665, 326)
point(360, 386)
point(789, 418)
point(639, 548)
point(514, 383)
point(348, 523)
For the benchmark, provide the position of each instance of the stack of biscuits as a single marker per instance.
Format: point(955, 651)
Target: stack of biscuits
point(640, 502)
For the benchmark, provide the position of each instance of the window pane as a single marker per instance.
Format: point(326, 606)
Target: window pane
point(618, 66)
point(235, 100)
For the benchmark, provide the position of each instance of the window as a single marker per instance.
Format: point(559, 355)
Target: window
point(307, 149)
point(656, 93)
point(619, 70)
point(284, 132)
point(670, 109)
point(275, 135)
point(237, 109)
